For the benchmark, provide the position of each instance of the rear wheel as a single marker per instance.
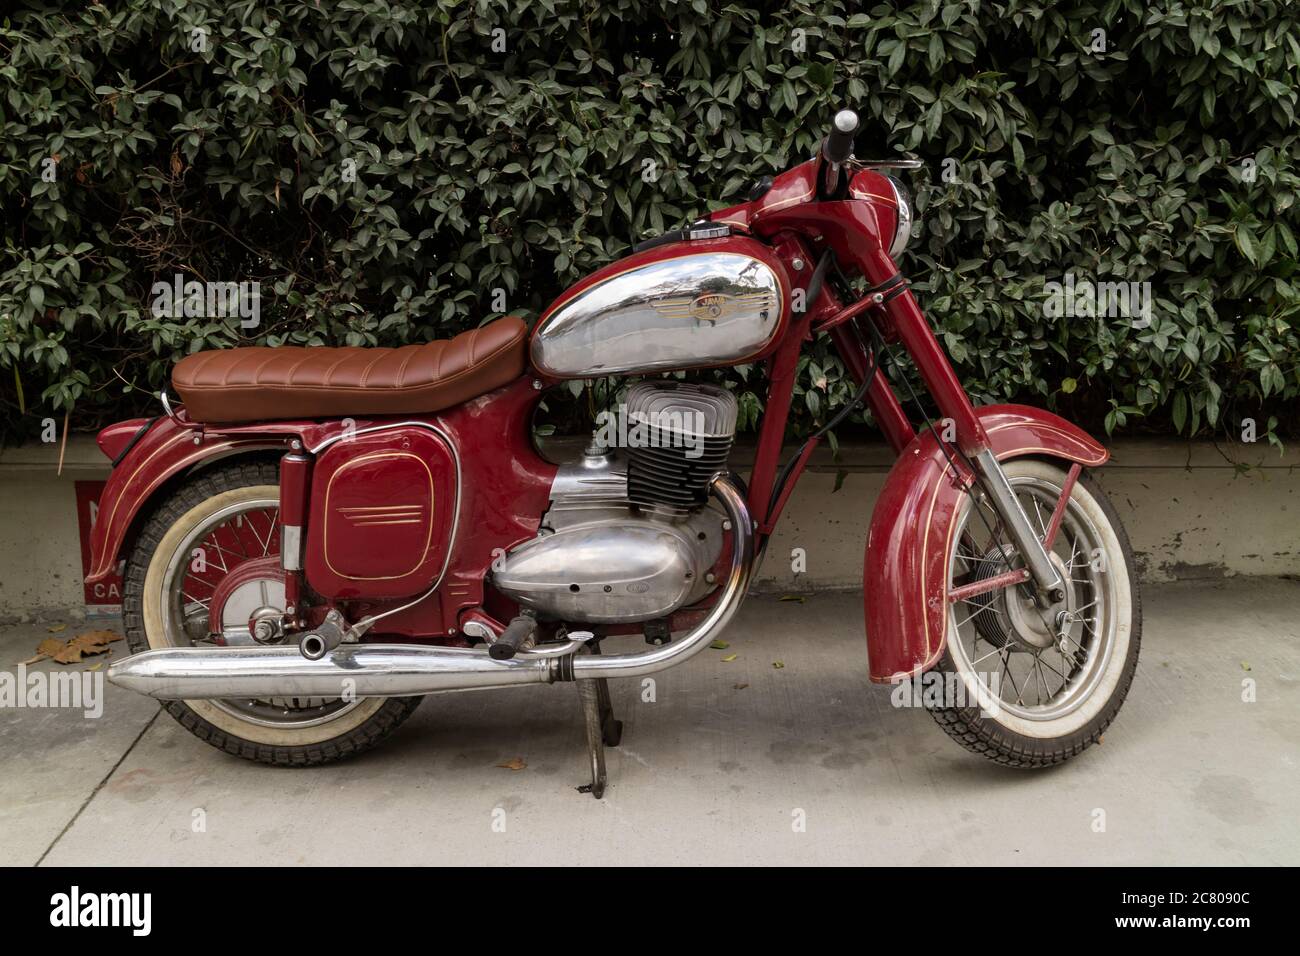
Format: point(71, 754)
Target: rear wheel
point(1034, 687)
point(223, 522)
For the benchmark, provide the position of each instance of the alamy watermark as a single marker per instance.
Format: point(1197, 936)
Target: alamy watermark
point(215, 300)
point(1086, 299)
point(671, 428)
point(937, 688)
point(76, 908)
point(76, 690)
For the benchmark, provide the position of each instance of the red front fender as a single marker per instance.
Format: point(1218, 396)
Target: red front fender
point(905, 579)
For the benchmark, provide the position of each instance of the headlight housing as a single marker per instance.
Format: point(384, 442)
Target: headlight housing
point(903, 229)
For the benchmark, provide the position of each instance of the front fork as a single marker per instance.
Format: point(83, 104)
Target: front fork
point(903, 318)
point(1047, 579)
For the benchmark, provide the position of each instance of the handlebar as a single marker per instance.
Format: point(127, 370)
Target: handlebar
point(838, 145)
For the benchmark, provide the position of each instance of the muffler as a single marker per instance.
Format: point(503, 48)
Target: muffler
point(405, 670)
point(352, 670)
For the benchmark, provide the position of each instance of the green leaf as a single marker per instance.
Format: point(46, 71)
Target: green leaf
point(1179, 411)
point(1245, 244)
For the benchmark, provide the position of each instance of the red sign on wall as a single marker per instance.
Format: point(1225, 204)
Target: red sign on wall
point(107, 594)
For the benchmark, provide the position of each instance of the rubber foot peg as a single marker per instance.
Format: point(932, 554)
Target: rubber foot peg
point(518, 632)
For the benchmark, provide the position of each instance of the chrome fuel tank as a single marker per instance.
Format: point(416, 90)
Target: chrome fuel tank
point(680, 305)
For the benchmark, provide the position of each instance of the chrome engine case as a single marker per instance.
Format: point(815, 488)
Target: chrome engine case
point(599, 559)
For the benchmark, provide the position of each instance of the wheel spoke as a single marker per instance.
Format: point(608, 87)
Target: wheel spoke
point(230, 538)
point(1058, 672)
point(1006, 672)
point(1042, 682)
point(1042, 528)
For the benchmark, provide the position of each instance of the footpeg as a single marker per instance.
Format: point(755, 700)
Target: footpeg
point(573, 642)
point(519, 633)
point(316, 644)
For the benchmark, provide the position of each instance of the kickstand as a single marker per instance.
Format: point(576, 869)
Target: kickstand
point(602, 729)
point(590, 697)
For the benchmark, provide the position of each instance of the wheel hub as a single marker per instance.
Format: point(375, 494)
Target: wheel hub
point(267, 625)
point(1010, 615)
point(253, 612)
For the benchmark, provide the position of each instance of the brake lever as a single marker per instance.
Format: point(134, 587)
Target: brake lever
point(888, 163)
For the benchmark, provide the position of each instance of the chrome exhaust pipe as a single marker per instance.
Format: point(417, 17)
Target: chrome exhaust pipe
point(351, 671)
point(406, 670)
point(727, 489)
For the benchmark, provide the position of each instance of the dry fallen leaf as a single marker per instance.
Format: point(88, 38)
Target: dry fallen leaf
point(96, 667)
point(96, 638)
point(778, 664)
point(799, 598)
point(56, 628)
point(719, 645)
point(729, 658)
point(741, 686)
point(516, 763)
point(1245, 665)
point(69, 655)
point(87, 643)
point(31, 660)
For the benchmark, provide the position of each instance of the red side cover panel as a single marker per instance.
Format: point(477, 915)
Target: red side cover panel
point(383, 508)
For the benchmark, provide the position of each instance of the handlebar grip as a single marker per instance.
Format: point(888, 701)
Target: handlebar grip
point(838, 146)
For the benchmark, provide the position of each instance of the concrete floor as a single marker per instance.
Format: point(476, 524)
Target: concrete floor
point(710, 772)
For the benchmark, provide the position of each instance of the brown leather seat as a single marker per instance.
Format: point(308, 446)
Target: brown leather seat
point(247, 384)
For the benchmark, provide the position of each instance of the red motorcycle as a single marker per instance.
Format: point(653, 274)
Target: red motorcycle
point(320, 536)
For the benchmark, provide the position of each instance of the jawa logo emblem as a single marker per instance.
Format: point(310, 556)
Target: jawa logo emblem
point(713, 306)
point(710, 308)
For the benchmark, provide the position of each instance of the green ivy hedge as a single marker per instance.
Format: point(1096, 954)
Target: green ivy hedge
point(504, 146)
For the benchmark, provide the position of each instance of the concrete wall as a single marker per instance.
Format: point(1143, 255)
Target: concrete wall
point(1192, 510)
point(40, 553)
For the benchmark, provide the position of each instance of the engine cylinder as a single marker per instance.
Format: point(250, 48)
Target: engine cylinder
point(678, 437)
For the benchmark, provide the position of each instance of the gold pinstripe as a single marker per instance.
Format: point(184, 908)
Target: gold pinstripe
point(325, 538)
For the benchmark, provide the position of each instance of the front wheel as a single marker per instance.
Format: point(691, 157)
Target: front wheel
point(1025, 686)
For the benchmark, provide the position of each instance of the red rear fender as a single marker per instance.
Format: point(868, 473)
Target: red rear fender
point(164, 450)
point(115, 439)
